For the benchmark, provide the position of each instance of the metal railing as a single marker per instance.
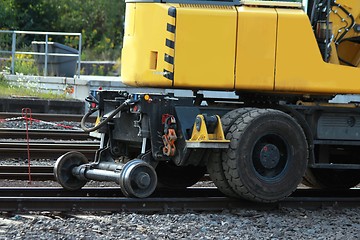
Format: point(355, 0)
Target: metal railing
point(13, 51)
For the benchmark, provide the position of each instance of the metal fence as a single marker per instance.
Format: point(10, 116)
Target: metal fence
point(46, 54)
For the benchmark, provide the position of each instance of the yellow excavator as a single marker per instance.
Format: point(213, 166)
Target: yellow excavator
point(263, 114)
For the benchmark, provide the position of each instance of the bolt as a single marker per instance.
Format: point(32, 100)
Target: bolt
point(198, 123)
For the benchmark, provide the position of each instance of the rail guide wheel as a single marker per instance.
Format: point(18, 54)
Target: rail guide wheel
point(63, 170)
point(138, 179)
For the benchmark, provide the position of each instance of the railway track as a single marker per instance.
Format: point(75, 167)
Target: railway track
point(111, 199)
point(14, 143)
point(48, 117)
point(49, 143)
point(44, 150)
point(26, 199)
point(192, 199)
point(17, 133)
point(37, 173)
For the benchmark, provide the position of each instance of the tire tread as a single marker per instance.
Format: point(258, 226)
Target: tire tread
point(230, 156)
point(215, 165)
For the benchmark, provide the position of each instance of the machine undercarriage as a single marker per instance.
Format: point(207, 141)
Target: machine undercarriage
point(159, 140)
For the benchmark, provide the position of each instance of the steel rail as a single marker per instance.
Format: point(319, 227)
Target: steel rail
point(49, 117)
point(46, 150)
point(37, 173)
point(188, 192)
point(14, 133)
point(50, 144)
point(103, 192)
point(23, 168)
point(196, 201)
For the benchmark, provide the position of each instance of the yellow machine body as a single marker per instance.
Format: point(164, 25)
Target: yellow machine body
point(235, 48)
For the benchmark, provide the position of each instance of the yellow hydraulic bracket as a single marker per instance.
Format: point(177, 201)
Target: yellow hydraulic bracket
point(201, 138)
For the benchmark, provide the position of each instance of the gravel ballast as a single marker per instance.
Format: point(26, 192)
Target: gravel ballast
point(240, 224)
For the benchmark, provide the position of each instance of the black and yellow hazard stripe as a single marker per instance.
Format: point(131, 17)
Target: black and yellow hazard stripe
point(170, 44)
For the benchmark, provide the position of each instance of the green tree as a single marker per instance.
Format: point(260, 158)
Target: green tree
point(38, 15)
point(99, 21)
point(7, 15)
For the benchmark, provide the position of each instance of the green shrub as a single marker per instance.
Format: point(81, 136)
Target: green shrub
point(25, 64)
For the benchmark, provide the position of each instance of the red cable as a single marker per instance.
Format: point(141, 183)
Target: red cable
point(25, 112)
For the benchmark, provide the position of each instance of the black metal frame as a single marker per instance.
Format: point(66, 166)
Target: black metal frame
point(185, 110)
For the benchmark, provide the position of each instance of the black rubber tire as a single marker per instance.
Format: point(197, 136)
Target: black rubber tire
point(63, 170)
point(215, 165)
point(170, 176)
point(250, 172)
point(332, 178)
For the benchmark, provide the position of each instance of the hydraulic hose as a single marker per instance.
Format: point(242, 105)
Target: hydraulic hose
point(107, 119)
point(341, 38)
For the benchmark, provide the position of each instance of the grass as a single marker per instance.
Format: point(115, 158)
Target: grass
point(23, 88)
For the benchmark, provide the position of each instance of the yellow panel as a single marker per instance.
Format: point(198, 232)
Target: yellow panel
point(299, 65)
point(205, 47)
point(144, 46)
point(272, 3)
point(202, 52)
point(255, 54)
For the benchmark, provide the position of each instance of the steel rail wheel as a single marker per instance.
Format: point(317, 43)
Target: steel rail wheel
point(137, 179)
point(63, 170)
point(174, 177)
point(215, 165)
point(267, 157)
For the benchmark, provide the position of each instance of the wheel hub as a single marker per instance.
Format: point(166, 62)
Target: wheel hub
point(142, 180)
point(138, 179)
point(63, 170)
point(269, 156)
